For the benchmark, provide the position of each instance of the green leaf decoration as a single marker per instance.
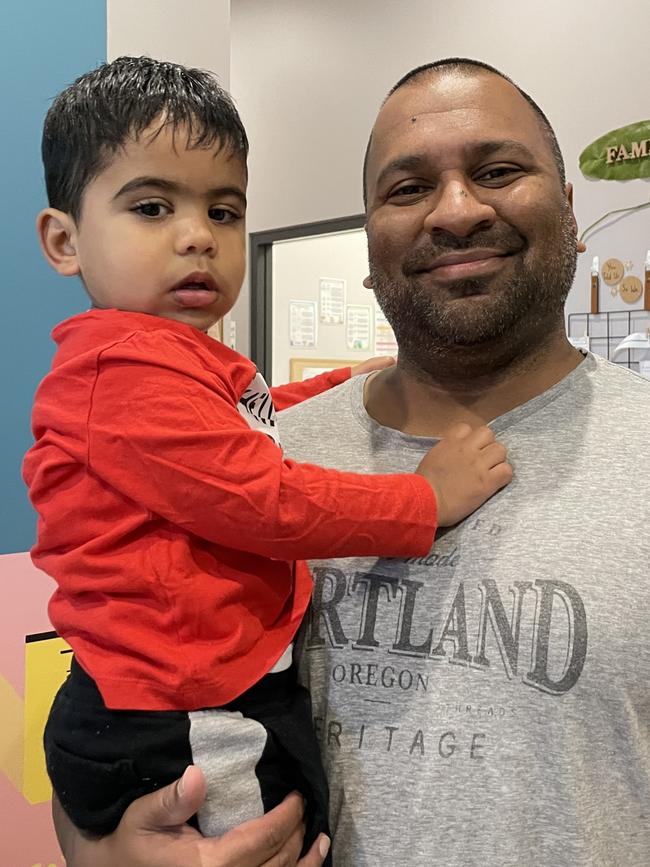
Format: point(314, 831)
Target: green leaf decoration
point(620, 155)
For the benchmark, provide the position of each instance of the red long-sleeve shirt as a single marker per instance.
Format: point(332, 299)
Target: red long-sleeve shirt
point(170, 524)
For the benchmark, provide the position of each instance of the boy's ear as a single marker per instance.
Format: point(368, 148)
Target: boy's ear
point(57, 234)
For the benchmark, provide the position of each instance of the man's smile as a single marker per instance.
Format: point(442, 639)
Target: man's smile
point(465, 264)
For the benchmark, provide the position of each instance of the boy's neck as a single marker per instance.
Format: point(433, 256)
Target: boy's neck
point(95, 306)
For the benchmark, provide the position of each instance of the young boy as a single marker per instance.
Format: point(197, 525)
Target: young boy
point(168, 516)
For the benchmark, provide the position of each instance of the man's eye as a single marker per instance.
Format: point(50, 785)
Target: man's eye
point(498, 173)
point(407, 190)
point(222, 215)
point(151, 209)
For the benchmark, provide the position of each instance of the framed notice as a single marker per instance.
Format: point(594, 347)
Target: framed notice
point(332, 300)
point(357, 331)
point(303, 331)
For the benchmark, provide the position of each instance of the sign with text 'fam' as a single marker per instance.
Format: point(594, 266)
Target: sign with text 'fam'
point(620, 155)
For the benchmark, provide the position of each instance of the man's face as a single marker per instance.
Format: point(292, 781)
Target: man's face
point(471, 237)
point(162, 230)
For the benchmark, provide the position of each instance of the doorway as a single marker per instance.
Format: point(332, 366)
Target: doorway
point(309, 309)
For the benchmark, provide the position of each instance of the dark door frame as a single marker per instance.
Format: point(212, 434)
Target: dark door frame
point(261, 278)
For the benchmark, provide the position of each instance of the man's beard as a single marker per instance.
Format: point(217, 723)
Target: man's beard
point(512, 316)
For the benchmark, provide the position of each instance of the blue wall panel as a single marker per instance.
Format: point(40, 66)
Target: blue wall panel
point(43, 47)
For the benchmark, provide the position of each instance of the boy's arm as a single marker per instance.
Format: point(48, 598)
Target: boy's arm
point(292, 393)
point(181, 450)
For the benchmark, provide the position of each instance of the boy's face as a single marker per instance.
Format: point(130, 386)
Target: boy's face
point(162, 230)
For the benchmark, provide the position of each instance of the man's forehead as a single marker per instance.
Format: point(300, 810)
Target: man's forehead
point(443, 94)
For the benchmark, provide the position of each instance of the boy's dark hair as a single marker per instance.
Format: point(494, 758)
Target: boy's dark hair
point(467, 65)
point(90, 120)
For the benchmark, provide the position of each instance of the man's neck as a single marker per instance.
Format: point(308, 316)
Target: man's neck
point(423, 404)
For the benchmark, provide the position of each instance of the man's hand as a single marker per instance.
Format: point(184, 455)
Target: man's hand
point(380, 362)
point(153, 833)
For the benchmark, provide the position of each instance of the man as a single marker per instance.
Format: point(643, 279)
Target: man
point(487, 704)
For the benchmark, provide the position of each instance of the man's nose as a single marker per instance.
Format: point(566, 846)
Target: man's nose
point(194, 235)
point(458, 209)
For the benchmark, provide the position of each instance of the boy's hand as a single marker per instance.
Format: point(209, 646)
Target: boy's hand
point(465, 469)
point(380, 362)
point(153, 833)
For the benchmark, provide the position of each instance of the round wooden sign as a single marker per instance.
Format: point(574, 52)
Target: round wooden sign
point(630, 289)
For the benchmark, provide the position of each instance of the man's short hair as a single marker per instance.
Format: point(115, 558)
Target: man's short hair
point(466, 65)
point(94, 117)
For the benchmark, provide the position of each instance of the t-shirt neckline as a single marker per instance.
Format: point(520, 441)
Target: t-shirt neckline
point(380, 432)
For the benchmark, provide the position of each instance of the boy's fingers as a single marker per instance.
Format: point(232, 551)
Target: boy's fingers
point(380, 362)
point(482, 436)
point(494, 454)
point(502, 475)
point(459, 431)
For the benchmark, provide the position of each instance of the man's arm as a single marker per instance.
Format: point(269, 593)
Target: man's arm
point(153, 833)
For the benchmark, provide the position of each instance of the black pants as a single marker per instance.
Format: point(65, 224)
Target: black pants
point(253, 751)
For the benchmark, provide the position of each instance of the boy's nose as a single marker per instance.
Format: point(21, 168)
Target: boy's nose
point(195, 236)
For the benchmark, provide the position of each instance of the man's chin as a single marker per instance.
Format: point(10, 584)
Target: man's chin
point(475, 319)
point(470, 295)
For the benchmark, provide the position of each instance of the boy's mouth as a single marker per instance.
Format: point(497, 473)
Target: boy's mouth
point(195, 290)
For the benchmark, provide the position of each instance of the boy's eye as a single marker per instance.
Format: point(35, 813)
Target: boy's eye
point(151, 209)
point(222, 215)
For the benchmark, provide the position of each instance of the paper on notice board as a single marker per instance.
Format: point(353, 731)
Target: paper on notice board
point(302, 324)
point(385, 343)
point(357, 328)
point(332, 301)
point(308, 372)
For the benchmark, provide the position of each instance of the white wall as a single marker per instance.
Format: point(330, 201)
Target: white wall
point(308, 78)
point(194, 33)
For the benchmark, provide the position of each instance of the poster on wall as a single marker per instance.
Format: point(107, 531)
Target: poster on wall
point(332, 300)
point(302, 324)
point(385, 343)
point(34, 662)
point(357, 329)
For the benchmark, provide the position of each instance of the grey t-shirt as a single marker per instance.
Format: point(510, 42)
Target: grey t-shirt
point(489, 704)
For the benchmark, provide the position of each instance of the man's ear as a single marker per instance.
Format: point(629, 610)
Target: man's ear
point(367, 282)
point(581, 246)
point(57, 234)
